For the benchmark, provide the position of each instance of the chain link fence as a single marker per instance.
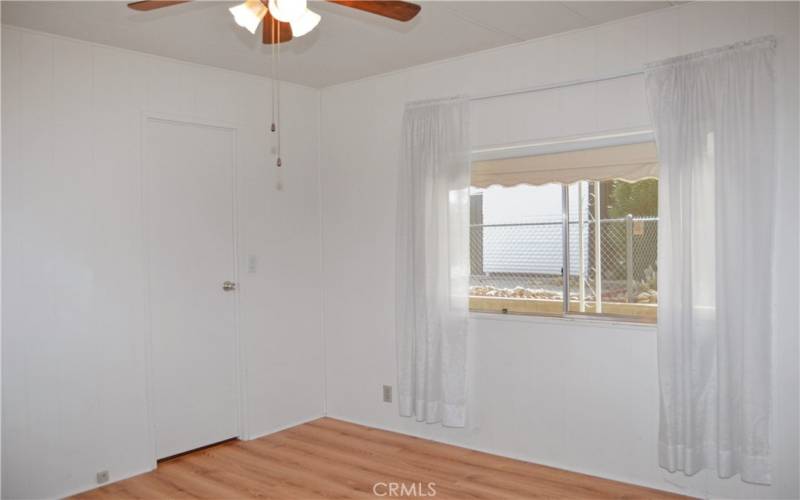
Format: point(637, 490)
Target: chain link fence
point(526, 260)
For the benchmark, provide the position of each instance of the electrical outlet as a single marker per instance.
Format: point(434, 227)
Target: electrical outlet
point(102, 477)
point(387, 393)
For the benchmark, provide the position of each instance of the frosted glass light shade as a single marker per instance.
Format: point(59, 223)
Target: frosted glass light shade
point(249, 14)
point(287, 11)
point(305, 23)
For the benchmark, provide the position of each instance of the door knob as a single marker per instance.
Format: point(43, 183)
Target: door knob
point(228, 286)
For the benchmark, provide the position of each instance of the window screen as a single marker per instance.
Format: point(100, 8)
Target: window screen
point(601, 233)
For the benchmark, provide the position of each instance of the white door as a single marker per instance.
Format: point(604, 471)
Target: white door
point(189, 179)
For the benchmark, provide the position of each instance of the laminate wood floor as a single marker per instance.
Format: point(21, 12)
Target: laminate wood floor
point(329, 458)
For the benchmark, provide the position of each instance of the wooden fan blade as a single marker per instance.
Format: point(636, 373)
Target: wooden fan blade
point(154, 4)
point(284, 31)
point(393, 9)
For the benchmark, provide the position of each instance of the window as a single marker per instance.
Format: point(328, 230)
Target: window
point(520, 249)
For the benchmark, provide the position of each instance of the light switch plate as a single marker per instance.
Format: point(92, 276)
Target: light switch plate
point(387, 393)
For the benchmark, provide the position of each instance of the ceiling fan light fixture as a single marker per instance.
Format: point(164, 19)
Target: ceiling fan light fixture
point(287, 11)
point(305, 23)
point(249, 14)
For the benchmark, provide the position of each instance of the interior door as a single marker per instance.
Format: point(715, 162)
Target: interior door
point(189, 179)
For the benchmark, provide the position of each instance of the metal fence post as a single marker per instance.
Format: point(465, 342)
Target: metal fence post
point(565, 233)
point(581, 252)
point(629, 256)
point(598, 257)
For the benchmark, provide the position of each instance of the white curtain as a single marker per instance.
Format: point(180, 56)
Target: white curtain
point(432, 302)
point(713, 114)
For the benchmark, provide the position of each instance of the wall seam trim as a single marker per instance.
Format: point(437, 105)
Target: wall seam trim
point(323, 330)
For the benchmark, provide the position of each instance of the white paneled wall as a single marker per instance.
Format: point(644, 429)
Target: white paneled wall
point(572, 394)
point(74, 322)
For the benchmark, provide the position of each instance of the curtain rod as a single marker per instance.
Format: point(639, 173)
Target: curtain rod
point(552, 86)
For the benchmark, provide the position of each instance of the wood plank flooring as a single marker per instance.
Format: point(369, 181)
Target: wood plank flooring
point(329, 458)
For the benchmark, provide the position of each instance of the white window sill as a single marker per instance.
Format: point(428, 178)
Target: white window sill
point(563, 320)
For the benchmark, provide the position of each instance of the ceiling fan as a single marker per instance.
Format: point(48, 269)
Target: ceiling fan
point(285, 19)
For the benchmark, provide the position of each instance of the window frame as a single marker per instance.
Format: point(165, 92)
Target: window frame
point(576, 143)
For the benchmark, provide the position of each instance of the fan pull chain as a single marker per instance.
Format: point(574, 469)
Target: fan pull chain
point(275, 33)
point(277, 85)
point(272, 71)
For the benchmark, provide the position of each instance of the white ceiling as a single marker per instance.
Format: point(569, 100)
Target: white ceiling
point(347, 45)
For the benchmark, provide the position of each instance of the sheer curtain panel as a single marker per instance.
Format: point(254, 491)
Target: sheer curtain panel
point(713, 114)
point(432, 302)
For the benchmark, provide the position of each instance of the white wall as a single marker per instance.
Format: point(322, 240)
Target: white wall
point(572, 394)
point(74, 324)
